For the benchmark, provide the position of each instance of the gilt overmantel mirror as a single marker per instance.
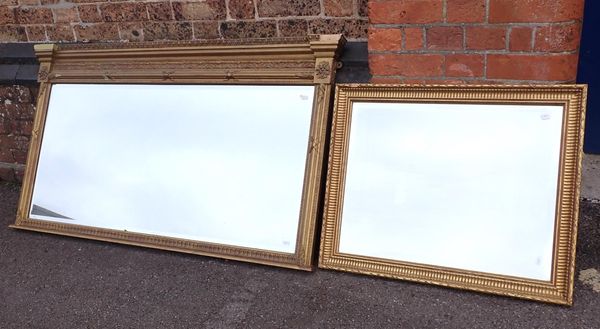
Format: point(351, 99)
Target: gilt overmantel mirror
point(474, 187)
point(213, 148)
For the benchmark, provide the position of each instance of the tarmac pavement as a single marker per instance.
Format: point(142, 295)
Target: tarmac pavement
point(51, 281)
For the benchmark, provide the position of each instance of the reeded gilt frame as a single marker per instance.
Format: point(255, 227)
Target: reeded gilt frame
point(560, 288)
point(310, 60)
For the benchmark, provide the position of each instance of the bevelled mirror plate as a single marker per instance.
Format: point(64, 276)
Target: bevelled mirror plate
point(184, 161)
point(473, 187)
point(207, 148)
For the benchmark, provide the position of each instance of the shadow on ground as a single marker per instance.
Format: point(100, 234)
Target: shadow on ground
point(50, 281)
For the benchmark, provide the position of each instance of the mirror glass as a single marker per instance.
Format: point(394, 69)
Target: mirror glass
point(462, 186)
point(217, 163)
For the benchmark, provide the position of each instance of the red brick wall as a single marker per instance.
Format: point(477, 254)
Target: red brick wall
point(147, 20)
point(16, 120)
point(474, 41)
point(410, 41)
point(144, 20)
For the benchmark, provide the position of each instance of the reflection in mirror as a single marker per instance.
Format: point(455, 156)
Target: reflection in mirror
point(221, 164)
point(462, 186)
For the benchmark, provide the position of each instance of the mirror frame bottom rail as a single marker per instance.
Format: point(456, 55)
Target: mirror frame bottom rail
point(166, 243)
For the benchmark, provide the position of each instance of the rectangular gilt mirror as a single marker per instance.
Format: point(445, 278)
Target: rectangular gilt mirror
point(207, 148)
point(474, 187)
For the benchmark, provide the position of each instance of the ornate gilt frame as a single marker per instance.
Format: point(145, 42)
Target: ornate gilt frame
point(560, 288)
point(310, 60)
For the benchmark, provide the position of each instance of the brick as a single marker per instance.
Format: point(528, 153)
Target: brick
point(351, 28)
point(13, 148)
point(486, 38)
point(30, 15)
point(17, 112)
point(89, 13)
point(9, 33)
point(206, 30)
point(168, 31)
point(293, 27)
point(445, 37)
point(131, 31)
point(60, 32)
point(49, 2)
point(282, 8)
point(7, 92)
point(11, 124)
point(65, 15)
point(557, 37)
point(207, 10)
point(24, 128)
point(19, 174)
point(6, 128)
point(29, 2)
point(251, 29)
point(520, 39)
point(29, 110)
point(465, 11)
point(409, 65)
point(124, 12)
point(405, 12)
point(241, 9)
point(386, 79)
point(532, 67)
point(156, 31)
point(385, 39)
point(5, 153)
point(159, 11)
point(88, 1)
point(21, 143)
point(7, 16)
point(7, 174)
point(13, 111)
point(413, 38)
point(363, 8)
point(464, 65)
point(36, 33)
point(97, 32)
point(338, 8)
point(528, 11)
point(445, 81)
point(16, 94)
point(20, 156)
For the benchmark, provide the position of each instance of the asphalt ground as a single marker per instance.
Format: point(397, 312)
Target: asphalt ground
point(51, 281)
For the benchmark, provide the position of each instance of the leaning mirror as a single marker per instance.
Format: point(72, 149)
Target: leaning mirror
point(474, 187)
point(207, 148)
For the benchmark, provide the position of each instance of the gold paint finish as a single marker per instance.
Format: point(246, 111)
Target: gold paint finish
point(560, 288)
point(285, 61)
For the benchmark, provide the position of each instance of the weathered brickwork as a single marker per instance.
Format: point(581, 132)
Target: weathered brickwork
point(16, 119)
point(410, 41)
point(474, 41)
point(147, 20)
